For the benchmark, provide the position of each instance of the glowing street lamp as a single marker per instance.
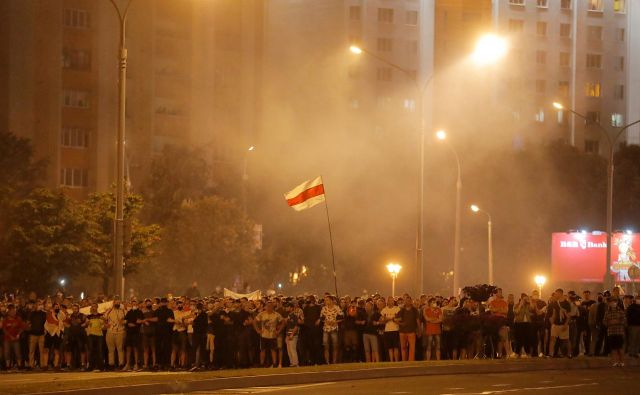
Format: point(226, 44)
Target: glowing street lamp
point(608, 279)
point(393, 269)
point(477, 209)
point(355, 49)
point(540, 281)
point(489, 49)
point(245, 177)
point(441, 135)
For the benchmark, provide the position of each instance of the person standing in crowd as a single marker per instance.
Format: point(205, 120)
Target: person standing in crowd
point(522, 329)
point(350, 339)
point(133, 341)
point(115, 322)
point(311, 333)
point(179, 336)
point(449, 343)
point(164, 330)
point(76, 337)
point(559, 311)
point(95, 338)
point(199, 324)
point(35, 322)
point(584, 327)
point(408, 320)
point(370, 323)
point(12, 326)
point(268, 324)
point(148, 334)
point(391, 329)
point(53, 327)
point(433, 328)
point(633, 323)
point(292, 330)
point(331, 316)
point(499, 309)
point(615, 321)
point(538, 324)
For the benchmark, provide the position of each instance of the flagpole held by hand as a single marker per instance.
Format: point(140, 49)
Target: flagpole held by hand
point(333, 257)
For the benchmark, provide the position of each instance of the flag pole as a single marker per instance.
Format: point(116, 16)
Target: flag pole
point(333, 257)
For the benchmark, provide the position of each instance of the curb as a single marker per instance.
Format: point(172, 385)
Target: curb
point(279, 379)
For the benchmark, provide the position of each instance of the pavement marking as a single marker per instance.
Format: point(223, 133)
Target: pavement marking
point(455, 388)
point(524, 389)
point(400, 392)
point(500, 385)
point(260, 390)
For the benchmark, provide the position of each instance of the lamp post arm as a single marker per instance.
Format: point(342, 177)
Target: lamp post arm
point(624, 129)
point(600, 127)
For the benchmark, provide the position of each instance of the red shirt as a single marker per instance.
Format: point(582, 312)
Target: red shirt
point(12, 326)
point(432, 328)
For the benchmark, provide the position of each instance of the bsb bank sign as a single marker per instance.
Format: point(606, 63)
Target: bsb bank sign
point(581, 256)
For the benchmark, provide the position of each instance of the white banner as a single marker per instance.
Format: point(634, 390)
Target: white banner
point(255, 295)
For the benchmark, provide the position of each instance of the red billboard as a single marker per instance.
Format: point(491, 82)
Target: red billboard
point(581, 256)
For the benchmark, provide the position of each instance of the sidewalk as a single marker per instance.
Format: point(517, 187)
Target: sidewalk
point(130, 383)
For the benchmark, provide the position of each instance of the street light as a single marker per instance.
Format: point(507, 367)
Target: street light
point(393, 269)
point(420, 91)
point(477, 209)
point(489, 49)
point(118, 262)
point(540, 281)
point(608, 278)
point(442, 136)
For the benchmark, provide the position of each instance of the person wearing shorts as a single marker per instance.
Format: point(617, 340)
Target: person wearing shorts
point(331, 316)
point(148, 334)
point(133, 339)
point(391, 329)
point(53, 328)
point(179, 336)
point(370, 323)
point(558, 310)
point(268, 323)
point(433, 328)
point(615, 320)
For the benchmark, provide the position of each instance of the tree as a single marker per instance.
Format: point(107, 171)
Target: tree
point(140, 240)
point(20, 174)
point(45, 240)
point(211, 240)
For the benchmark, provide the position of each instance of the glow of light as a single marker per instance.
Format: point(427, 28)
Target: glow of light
point(583, 231)
point(81, 295)
point(63, 281)
point(355, 49)
point(489, 49)
point(441, 135)
point(558, 106)
point(279, 285)
point(394, 268)
point(540, 280)
point(629, 232)
point(252, 148)
point(475, 208)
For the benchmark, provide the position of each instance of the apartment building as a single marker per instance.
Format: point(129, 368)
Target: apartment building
point(191, 79)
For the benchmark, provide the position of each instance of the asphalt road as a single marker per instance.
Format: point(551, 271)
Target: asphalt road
point(584, 382)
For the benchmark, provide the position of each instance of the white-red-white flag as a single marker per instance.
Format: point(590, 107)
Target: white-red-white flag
point(306, 195)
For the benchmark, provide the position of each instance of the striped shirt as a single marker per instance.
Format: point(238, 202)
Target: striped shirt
point(615, 321)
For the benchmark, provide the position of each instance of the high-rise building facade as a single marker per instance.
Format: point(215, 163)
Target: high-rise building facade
point(191, 79)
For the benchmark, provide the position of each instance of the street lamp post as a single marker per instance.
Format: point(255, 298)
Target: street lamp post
point(245, 177)
point(608, 278)
point(442, 136)
point(118, 251)
point(420, 90)
point(393, 269)
point(477, 209)
point(540, 281)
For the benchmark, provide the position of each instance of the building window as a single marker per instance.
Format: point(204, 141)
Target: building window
point(591, 146)
point(617, 120)
point(594, 32)
point(74, 137)
point(541, 87)
point(413, 47)
point(618, 92)
point(619, 6)
point(385, 45)
point(620, 63)
point(543, 3)
point(563, 88)
point(565, 30)
point(541, 29)
point(595, 5)
point(76, 99)
point(516, 25)
point(540, 115)
point(70, 177)
point(385, 15)
point(411, 18)
point(76, 59)
point(565, 59)
point(620, 34)
point(593, 116)
point(541, 57)
point(79, 19)
point(516, 2)
point(384, 74)
point(594, 61)
point(355, 12)
point(565, 4)
point(409, 105)
point(592, 89)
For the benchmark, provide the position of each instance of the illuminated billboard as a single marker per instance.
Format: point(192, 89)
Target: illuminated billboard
point(581, 256)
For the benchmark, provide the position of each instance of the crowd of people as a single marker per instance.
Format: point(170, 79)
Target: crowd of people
point(193, 332)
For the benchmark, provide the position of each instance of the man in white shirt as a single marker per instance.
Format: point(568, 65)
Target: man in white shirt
point(391, 329)
point(115, 321)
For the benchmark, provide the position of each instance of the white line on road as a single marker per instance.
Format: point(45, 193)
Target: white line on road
point(261, 390)
point(490, 392)
point(500, 385)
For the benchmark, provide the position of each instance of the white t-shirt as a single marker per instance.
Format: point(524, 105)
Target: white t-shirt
point(390, 313)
